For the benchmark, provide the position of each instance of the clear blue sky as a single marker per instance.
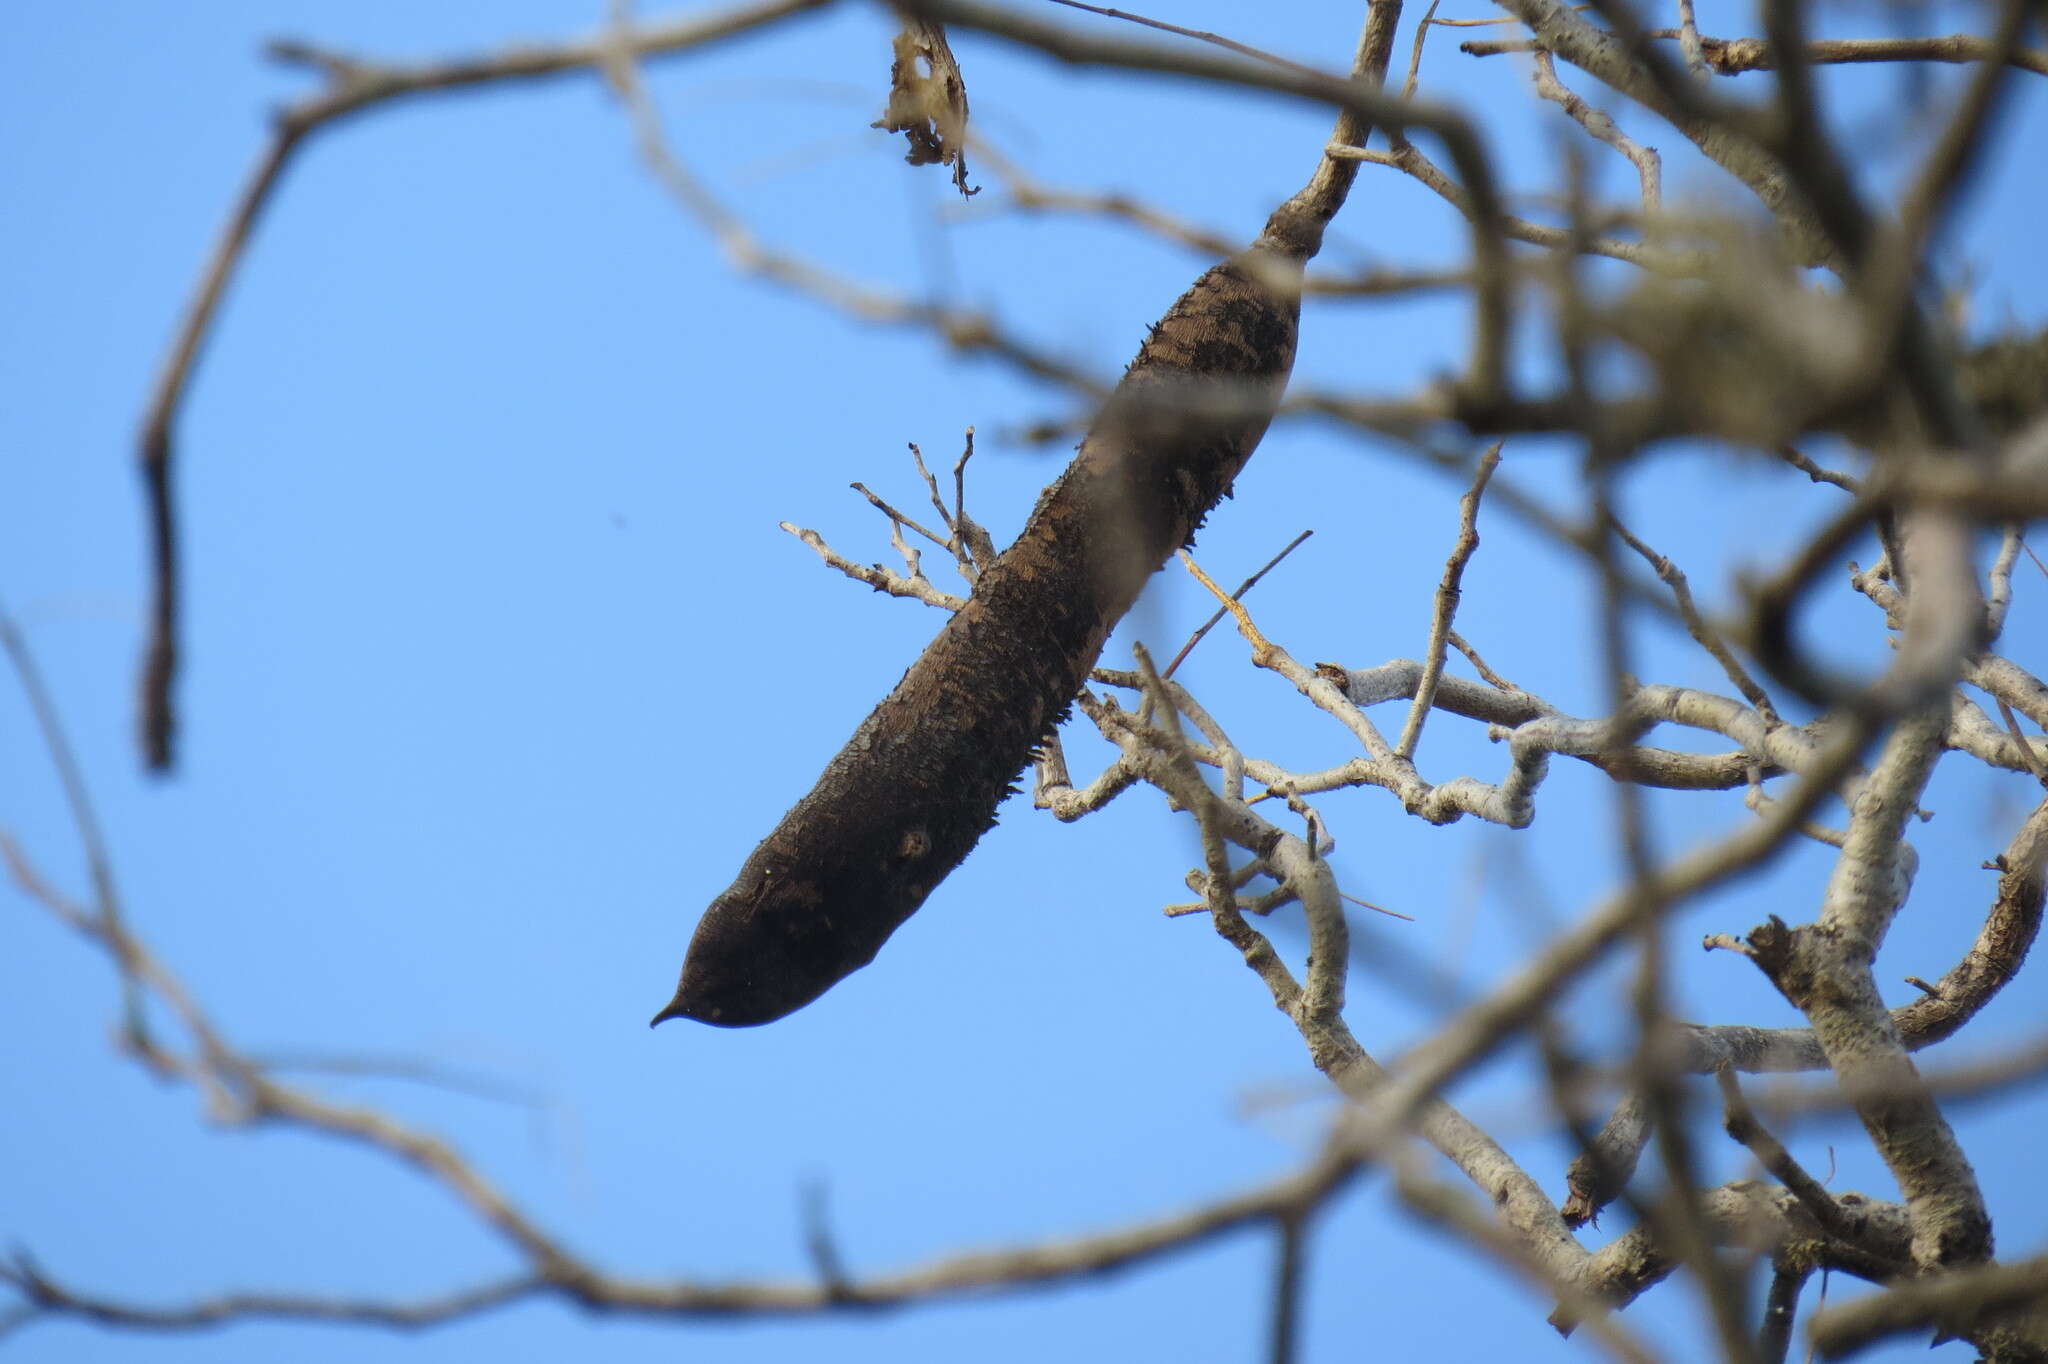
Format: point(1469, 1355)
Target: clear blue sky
point(499, 666)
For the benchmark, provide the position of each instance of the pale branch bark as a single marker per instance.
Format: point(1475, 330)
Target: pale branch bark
point(1535, 729)
point(1815, 472)
point(1767, 1223)
point(1481, 1028)
point(1954, 1303)
point(1161, 759)
point(2002, 945)
point(1705, 635)
point(1649, 167)
point(1689, 43)
point(1484, 1026)
point(1824, 971)
point(1959, 1084)
point(913, 585)
point(1598, 1174)
point(1937, 1013)
point(1732, 56)
point(1537, 1238)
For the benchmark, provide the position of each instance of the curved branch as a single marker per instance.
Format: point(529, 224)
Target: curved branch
point(1013, 1269)
point(353, 86)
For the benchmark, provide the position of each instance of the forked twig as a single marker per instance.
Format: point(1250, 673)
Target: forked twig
point(1221, 611)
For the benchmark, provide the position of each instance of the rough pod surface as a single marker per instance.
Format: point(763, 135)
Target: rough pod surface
point(918, 784)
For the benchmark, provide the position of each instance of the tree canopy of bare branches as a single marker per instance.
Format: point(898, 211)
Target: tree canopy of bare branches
point(1593, 691)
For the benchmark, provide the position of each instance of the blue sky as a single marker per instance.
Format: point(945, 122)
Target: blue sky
point(498, 666)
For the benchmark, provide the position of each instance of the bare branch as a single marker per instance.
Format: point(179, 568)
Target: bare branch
point(1407, 159)
point(1649, 167)
point(1956, 1302)
point(1742, 1124)
point(1447, 603)
point(881, 579)
point(1824, 971)
point(1199, 35)
point(1696, 625)
point(352, 86)
point(1732, 56)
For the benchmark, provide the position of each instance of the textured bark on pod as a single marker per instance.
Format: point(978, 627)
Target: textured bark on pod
point(918, 784)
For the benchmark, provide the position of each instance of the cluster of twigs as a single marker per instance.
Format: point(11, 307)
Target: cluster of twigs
point(1821, 326)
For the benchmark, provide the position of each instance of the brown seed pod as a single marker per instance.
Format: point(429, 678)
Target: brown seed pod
point(918, 784)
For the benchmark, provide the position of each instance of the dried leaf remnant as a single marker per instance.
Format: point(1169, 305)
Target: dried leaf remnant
point(928, 101)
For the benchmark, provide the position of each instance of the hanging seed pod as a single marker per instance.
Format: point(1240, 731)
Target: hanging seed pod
point(918, 784)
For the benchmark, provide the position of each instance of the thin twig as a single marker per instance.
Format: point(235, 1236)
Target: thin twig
point(1415, 53)
point(1447, 593)
point(1261, 646)
point(408, 1068)
point(1377, 909)
point(1408, 159)
point(1487, 674)
point(1815, 472)
point(1221, 611)
point(2012, 724)
point(1742, 1124)
point(919, 588)
point(814, 1204)
point(1199, 35)
point(1696, 625)
point(106, 899)
point(158, 717)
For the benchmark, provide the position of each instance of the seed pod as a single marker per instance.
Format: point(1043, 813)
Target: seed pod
point(918, 784)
